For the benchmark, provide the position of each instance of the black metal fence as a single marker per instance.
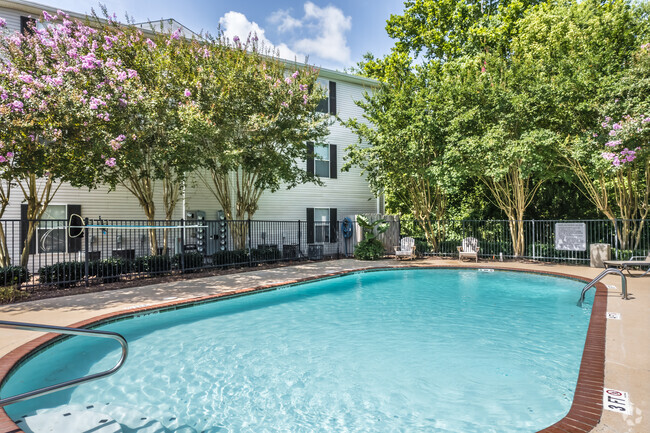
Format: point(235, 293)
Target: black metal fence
point(66, 253)
point(563, 241)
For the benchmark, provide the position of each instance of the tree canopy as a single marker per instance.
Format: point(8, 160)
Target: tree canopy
point(525, 85)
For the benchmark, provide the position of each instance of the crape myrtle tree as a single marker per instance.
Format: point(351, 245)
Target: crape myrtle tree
point(576, 64)
point(612, 161)
point(62, 93)
point(402, 147)
point(154, 150)
point(254, 116)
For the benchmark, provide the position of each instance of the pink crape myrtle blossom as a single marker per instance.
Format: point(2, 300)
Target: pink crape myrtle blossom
point(632, 137)
point(58, 86)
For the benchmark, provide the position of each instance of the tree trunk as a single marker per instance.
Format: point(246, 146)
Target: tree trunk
point(513, 194)
point(142, 189)
point(5, 258)
point(37, 203)
point(171, 194)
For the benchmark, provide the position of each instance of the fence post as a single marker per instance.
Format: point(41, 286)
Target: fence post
point(183, 245)
point(250, 241)
point(299, 242)
point(339, 236)
point(86, 265)
point(616, 237)
point(533, 222)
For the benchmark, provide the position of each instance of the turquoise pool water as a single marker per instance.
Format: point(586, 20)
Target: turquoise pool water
point(391, 351)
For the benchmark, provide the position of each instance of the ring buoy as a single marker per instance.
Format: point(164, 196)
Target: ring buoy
point(346, 227)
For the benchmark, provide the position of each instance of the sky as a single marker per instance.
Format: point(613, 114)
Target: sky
point(334, 34)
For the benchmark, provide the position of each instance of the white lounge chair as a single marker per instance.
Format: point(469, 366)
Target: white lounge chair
point(640, 261)
point(406, 249)
point(469, 249)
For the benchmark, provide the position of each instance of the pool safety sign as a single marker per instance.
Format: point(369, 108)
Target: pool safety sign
point(571, 236)
point(616, 401)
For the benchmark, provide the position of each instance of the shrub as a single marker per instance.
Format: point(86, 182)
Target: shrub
point(13, 275)
point(63, 274)
point(369, 250)
point(193, 261)
point(10, 294)
point(110, 270)
point(225, 258)
point(153, 264)
point(265, 254)
point(422, 247)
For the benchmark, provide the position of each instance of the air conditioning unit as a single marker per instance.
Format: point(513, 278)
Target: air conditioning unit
point(314, 252)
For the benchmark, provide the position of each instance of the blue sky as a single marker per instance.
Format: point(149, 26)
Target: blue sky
point(334, 34)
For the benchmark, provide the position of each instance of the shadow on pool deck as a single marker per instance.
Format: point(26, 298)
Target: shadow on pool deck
point(627, 349)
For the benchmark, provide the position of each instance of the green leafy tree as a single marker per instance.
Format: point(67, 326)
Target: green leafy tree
point(612, 161)
point(255, 115)
point(62, 92)
point(402, 147)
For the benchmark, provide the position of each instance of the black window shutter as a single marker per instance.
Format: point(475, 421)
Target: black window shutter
point(332, 97)
point(310, 160)
point(310, 225)
point(24, 228)
point(27, 25)
point(334, 226)
point(333, 168)
point(74, 219)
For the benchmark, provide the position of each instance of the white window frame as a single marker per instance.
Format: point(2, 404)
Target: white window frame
point(322, 161)
point(322, 227)
point(49, 228)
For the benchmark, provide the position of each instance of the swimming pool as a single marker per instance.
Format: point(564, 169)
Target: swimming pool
point(409, 350)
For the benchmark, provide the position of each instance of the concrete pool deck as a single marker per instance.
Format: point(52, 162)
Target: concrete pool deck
point(627, 357)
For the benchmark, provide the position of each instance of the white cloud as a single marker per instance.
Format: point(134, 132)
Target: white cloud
point(236, 24)
point(284, 21)
point(327, 25)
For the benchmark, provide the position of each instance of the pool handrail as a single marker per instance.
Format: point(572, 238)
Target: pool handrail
point(600, 277)
point(68, 331)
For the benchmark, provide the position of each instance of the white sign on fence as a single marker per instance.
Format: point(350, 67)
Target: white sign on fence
point(571, 236)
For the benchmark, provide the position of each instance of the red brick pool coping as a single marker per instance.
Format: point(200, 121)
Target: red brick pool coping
point(586, 408)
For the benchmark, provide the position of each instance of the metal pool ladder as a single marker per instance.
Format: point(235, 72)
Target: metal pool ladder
point(68, 331)
point(600, 277)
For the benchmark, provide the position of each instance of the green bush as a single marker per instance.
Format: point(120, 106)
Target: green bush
point(63, 274)
point(422, 246)
point(13, 275)
point(110, 270)
point(193, 261)
point(10, 294)
point(266, 254)
point(153, 264)
point(371, 249)
point(225, 258)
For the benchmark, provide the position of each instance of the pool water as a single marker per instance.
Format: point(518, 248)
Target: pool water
point(390, 351)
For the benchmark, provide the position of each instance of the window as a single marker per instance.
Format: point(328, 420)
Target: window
point(321, 225)
point(322, 160)
point(325, 162)
point(27, 25)
point(51, 231)
point(327, 105)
